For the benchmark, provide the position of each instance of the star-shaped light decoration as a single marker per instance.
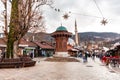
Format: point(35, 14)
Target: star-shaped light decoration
point(104, 21)
point(65, 16)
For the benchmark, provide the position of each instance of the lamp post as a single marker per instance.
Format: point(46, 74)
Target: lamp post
point(5, 16)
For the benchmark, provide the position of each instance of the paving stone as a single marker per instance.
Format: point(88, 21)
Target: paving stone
point(45, 70)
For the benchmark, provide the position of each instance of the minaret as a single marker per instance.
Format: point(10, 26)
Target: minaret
point(76, 35)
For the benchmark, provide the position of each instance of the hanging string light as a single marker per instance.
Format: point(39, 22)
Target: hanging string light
point(69, 12)
point(66, 15)
point(104, 21)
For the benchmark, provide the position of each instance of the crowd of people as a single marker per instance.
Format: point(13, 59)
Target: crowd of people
point(86, 54)
point(105, 57)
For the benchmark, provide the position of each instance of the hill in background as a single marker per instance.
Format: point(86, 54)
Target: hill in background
point(40, 36)
point(84, 36)
point(96, 36)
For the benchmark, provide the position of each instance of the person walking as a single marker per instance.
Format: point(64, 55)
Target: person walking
point(85, 57)
point(93, 56)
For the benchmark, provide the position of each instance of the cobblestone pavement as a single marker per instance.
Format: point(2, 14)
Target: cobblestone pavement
point(92, 70)
point(116, 69)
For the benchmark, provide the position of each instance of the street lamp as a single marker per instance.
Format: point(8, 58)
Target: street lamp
point(5, 16)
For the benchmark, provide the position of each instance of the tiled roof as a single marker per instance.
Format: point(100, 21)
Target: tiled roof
point(23, 43)
point(29, 43)
point(69, 47)
point(44, 45)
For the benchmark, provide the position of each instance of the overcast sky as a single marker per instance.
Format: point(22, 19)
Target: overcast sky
point(79, 9)
point(85, 12)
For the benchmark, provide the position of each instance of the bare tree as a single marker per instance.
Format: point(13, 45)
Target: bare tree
point(25, 15)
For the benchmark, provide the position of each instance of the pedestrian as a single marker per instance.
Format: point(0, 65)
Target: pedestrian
point(107, 61)
point(93, 56)
point(101, 56)
point(84, 57)
point(31, 55)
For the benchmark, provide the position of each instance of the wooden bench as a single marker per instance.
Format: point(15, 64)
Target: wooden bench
point(17, 63)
